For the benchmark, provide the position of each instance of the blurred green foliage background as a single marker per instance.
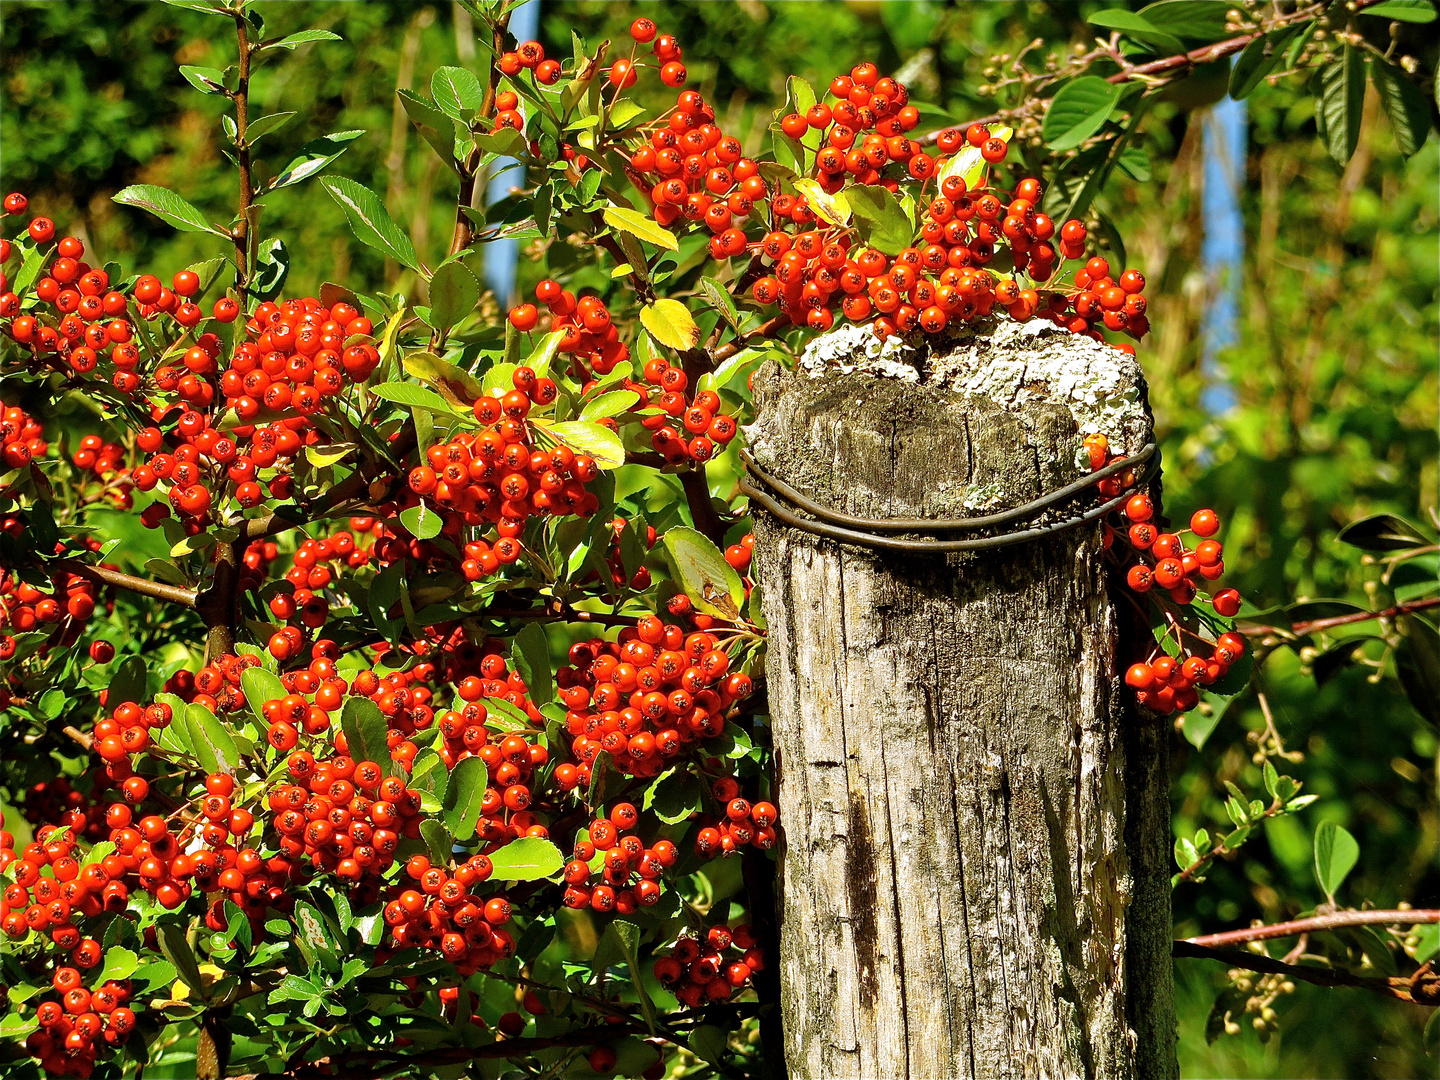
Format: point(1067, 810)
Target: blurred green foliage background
point(1334, 375)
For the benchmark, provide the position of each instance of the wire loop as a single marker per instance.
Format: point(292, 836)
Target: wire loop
point(865, 532)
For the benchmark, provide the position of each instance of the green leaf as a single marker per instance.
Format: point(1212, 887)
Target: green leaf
point(260, 686)
point(1338, 108)
point(1137, 28)
point(438, 839)
point(1417, 662)
point(1078, 111)
point(211, 740)
point(1405, 105)
point(168, 207)
point(702, 572)
point(430, 777)
point(316, 932)
point(1429, 943)
point(422, 521)
point(1259, 59)
point(1134, 163)
point(313, 157)
point(721, 300)
point(531, 656)
point(454, 292)
point(434, 126)
point(1192, 20)
point(609, 404)
point(370, 221)
point(294, 41)
point(120, 964)
point(365, 734)
point(454, 384)
point(457, 92)
point(1382, 532)
point(596, 440)
point(527, 859)
point(675, 796)
point(261, 126)
point(880, 219)
point(621, 940)
point(177, 950)
point(641, 227)
point(669, 322)
point(16, 1027)
point(415, 397)
point(272, 267)
point(129, 682)
point(207, 80)
point(1336, 853)
point(464, 796)
point(503, 716)
point(1411, 11)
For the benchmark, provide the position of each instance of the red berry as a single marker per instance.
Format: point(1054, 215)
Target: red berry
point(1204, 523)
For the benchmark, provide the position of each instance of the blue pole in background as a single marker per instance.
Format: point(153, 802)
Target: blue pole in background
point(503, 256)
point(1222, 250)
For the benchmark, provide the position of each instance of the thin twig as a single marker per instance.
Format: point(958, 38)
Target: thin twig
point(1422, 988)
point(1335, 921)
point(158, 590)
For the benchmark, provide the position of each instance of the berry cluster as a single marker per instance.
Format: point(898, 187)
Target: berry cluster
point(644, 697)
point(587, 333)
point(697, 971)
point(1168, 572)
point(443, 914)
point(667, 52)
point(527, 56)
point(499, 477)
point(744, 823)
point(345, 816)
point(72, 1024)
point(629, 871)
point(703, 429)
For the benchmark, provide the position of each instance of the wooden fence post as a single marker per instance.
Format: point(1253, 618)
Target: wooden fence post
point(974, 872)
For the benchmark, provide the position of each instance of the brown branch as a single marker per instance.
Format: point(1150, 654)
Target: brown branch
point(1313, 626)
point(558, 611)
point(241, 97)
point(470, 174)
point(1422, 988)
point(158, 590)
point(1155, 72)
point(344, 1064)
point(764, 330)
point(702, 510)
point(1335, 921)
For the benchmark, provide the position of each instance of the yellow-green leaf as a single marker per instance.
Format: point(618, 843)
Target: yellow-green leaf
point(669, 322)
point(831, 209)
point(639, 225)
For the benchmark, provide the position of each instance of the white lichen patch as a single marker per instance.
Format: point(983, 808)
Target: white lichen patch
point(1007, 362)
point(851, 347)
point(1010, 363)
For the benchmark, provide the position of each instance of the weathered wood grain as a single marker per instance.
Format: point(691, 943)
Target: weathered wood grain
point(973, 870)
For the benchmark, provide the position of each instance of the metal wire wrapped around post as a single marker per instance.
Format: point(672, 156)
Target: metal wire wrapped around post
point(865, 532)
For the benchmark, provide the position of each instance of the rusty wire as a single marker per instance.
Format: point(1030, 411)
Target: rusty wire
point(864, 532)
